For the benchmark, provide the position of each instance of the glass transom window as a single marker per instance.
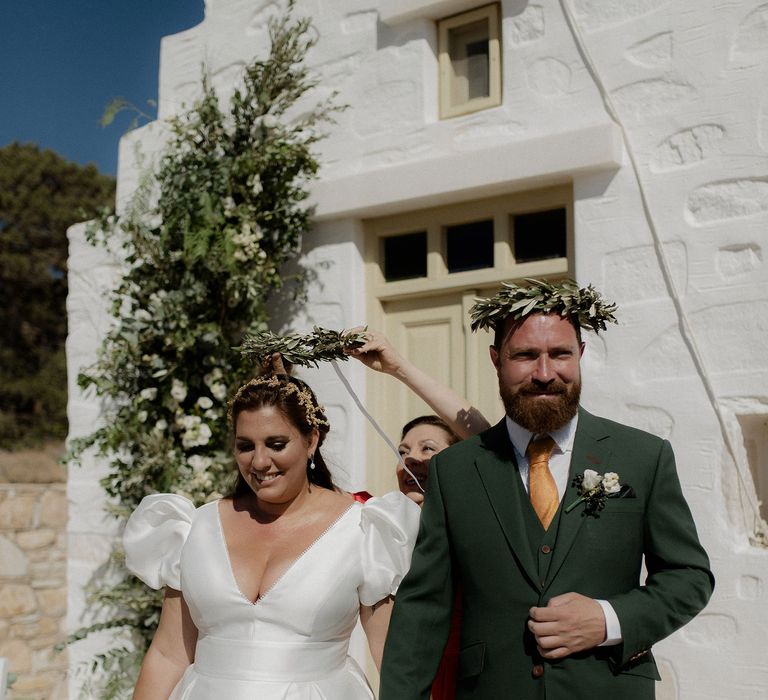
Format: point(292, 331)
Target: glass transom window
point(539, 235)
point(405, 256)
point(471, 245)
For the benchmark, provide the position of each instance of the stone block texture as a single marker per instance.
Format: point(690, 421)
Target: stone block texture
point(33, 573)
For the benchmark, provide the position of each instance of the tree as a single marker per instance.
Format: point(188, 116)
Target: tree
point(41, 194)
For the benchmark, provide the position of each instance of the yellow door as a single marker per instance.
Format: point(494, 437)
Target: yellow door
point(432, 332)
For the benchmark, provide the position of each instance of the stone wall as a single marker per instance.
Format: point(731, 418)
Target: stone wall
point(33, 590)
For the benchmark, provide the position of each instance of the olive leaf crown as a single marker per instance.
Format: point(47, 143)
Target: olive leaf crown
point(585, 306)
point(322, 345)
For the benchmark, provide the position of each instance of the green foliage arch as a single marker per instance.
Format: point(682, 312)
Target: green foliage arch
point(204, 239)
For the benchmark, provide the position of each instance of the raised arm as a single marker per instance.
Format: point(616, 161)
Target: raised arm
point(171, 651)
point(379, 354)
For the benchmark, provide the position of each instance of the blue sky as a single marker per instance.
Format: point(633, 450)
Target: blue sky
point(62, 61)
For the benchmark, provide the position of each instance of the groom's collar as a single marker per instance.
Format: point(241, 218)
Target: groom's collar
point(563, 437)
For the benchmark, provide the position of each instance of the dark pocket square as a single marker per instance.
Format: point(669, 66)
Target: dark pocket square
point(626, 491)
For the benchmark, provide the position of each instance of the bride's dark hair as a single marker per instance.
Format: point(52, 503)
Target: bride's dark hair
point(298, 404)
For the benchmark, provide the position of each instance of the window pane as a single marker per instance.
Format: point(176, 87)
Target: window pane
point(754, 432)
point(405, 256)
point(540, 235)
point(469, 52)
point(469, 246)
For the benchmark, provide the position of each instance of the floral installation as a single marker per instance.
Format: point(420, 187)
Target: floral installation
point(204, 239)
point(564, 297)
point(593, 489)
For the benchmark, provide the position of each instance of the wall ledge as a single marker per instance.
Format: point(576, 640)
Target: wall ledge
point(456, 177)
point(394, 12)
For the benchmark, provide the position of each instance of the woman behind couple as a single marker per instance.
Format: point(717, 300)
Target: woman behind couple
point(263, 588)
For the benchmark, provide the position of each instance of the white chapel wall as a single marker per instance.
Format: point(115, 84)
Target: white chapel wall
point(687, 82)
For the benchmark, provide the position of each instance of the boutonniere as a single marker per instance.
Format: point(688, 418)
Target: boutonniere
point(593, 489)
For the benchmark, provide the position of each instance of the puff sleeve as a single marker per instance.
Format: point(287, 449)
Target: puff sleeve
point(390, 524)
point(153, 538)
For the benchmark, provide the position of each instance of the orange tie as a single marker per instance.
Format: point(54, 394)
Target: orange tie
point(541, 484)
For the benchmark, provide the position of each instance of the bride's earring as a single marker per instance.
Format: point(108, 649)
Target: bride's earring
point(311, 461)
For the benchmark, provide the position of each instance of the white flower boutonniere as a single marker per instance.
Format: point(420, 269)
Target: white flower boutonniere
point(593, 490)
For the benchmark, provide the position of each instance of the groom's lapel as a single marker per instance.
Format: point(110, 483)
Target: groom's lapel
point(497, 467)
point(591, 450)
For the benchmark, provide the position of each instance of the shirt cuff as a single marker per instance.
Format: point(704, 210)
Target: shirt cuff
point(612, 625)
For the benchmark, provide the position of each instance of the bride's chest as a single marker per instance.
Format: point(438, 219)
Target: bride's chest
point(315, 593)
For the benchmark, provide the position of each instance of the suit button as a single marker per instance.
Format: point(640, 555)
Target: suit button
point(546, 549)
point(537, 671)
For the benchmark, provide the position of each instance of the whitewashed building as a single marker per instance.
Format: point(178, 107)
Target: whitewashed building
point(621, 142)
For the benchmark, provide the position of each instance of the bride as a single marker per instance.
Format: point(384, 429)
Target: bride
point(264, 588)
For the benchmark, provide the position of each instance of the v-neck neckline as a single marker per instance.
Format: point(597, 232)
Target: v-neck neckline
point(290, 566)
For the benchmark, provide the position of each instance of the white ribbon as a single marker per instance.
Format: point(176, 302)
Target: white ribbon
point(373, 422)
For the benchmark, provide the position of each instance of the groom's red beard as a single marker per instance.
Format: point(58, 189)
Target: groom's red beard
point(528, 409)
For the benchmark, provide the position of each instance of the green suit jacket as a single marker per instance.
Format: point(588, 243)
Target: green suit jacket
point(473, 534)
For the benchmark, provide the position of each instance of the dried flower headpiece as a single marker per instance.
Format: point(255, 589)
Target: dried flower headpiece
point(306, 350)
point(585, 305)
point(286, 385)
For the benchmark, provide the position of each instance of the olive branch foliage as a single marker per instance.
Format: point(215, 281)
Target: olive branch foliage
point(306, 350)
point(203, 241)
point(586, 305)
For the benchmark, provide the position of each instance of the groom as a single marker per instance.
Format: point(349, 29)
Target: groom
point(543, 522)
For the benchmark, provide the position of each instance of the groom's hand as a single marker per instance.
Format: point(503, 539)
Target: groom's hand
point(570, 623)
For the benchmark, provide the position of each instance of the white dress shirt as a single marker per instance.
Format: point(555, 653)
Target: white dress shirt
point(560, 465)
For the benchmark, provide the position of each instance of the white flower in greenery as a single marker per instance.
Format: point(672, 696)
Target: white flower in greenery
point(199, 463)
point(188, 422)
point(212, 414)
point(229, 205)
point(197, 434)
point(204, 402)
point(219, 391)
point(593, 489)
point(189, 439)
point(213, 376)
point(149, 394)
point(268, 121)
point(178, 390)
point(201, 481)
point(611, 482)
point(161, 426)
point(591, 479)
point(248, 241)
point(142, 416)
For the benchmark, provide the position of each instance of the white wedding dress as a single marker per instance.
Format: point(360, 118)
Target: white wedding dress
point(292, 643)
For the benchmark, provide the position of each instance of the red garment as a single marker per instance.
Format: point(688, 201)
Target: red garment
point(444, 685)
point(361, 496)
